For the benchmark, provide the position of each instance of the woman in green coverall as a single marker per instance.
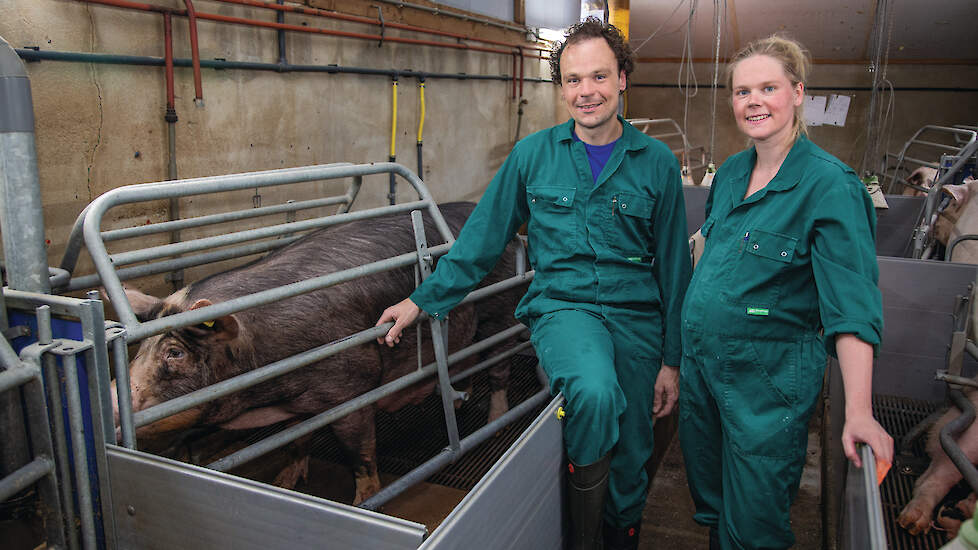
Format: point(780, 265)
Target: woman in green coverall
point(788, 272)
point(609, 247)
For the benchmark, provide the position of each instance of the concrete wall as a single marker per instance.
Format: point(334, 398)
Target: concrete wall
point(912, 109)
point(101, 126)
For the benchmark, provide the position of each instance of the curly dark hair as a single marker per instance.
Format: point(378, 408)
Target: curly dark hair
point(592, 27)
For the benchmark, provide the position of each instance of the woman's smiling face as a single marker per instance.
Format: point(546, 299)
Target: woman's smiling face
point(764, 99)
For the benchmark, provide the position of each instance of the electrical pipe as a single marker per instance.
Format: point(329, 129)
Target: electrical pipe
point(298, 28)
point(392, 186)
point(420, 127)
point(31, 54)
point(195, 53)
point(367, 21)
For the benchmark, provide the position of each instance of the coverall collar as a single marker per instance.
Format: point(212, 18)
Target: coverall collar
point(788, 176)
point(631, 140)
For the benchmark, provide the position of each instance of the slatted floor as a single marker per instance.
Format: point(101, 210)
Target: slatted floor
point(414, 434)
point(899, 415)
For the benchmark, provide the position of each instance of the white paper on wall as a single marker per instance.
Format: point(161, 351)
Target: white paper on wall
point(814, 109)
point(836, 110)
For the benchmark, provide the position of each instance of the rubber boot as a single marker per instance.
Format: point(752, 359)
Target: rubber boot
point(586, 489)
point(714, 539)
point(621, 538)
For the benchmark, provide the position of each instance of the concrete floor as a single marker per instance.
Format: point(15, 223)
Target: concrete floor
point(668, 518)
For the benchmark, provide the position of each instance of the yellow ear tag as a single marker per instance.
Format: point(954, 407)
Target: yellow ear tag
point(209, 324)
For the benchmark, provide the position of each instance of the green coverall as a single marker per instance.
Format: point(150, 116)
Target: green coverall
point(783, 272)
point(612, 265)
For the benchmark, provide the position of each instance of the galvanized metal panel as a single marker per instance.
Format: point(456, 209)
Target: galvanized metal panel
point(163, 504)
point(695, 198)
point(894, 226)
point(918, 296)
point(518, 504)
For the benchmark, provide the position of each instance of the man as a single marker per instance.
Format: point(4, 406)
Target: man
point(607, 236)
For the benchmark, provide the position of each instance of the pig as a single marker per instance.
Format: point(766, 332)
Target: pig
point(940, 476)
point(183, 360)
point(960, 217)
point(922, 176)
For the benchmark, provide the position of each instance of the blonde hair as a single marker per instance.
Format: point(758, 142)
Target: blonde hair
point(794, 60)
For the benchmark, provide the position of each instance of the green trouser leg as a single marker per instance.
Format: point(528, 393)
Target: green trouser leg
point(744, 409)
point(605, 362)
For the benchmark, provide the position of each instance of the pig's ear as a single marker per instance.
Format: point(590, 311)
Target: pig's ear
point(143, 305)
point(224, 328)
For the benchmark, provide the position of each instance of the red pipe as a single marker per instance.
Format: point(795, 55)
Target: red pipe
point(297, 28)
point(168, 48)
point(366, 21)
point(373, 37)
point(195, 53)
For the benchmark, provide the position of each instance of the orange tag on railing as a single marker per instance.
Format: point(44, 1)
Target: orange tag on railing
point(881, 470)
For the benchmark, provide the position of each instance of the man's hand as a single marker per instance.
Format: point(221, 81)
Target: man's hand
point(403, 314)
point(666, 391)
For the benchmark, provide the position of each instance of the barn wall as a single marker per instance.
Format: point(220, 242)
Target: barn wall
point(101, 126)
point(912, 109)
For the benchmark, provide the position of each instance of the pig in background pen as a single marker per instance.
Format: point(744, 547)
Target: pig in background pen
point(182, 360)
point(931, 491)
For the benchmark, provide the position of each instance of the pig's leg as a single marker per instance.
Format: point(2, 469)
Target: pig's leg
point(357, 433)
point(927, 492)
point(939, 477)
point(950, 519)
point(498, 382)
point(298, 467)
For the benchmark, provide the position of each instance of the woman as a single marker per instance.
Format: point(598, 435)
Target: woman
point(788, 272)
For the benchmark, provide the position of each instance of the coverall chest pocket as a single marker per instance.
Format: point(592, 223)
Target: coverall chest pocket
point(631, 224)
point(760, 269)
point(553, 225)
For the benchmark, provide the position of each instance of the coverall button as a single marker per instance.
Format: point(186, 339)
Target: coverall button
point(756, 247)
point(624, 206)
point(783, 253)
point(564, 199)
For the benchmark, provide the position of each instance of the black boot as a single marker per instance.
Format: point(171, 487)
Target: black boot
point(586, 488)
point(621, 538)
point(714, 539)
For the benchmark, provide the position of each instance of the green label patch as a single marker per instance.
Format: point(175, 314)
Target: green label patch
point(762, 311)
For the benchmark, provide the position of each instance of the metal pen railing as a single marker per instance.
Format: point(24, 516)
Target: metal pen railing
point(110, 272)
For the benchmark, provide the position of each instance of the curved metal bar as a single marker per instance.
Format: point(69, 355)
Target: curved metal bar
point(954, 428)
point(91, 224)
point(950, 247)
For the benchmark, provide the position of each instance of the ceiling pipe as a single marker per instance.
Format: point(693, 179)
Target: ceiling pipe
point(299, 28)
point(195, 53)
point(32, 54)
point(367, 21)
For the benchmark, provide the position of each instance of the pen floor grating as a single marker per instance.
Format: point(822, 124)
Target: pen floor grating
point(899, 415)
point(416, 433)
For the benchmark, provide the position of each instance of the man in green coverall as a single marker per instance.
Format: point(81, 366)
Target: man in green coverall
point(608, 240)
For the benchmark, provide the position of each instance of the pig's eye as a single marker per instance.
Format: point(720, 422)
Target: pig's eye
point(174, 353)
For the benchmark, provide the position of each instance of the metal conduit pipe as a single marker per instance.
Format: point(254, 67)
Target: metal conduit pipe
point(438, 11)
point(114, 59)
point(377, 22)
point(955, 427)
point(297, 28)
point(280, 18)
point(195, 53)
